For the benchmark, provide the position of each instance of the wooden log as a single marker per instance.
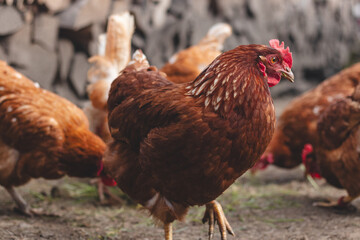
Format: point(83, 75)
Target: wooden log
point(10, 20)
point(119, 6)
point(66, 52)
point(30, 59)
point(40, 65)
point(46, 28)
point(17, 45)
point(65, 91)
point(83, 13)
point(78, 74)
point(55, 5)
point(3, 55)
point(80, 38)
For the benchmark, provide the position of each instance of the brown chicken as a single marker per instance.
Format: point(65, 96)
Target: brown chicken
point(187, 64)
point(180, 145)
point(41, 135)
point(336, 155)
point(297, 124)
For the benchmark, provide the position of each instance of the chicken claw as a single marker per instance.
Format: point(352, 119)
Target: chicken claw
point(214, 212)
point(22, 206)
point(29, 212)
point(342, 203)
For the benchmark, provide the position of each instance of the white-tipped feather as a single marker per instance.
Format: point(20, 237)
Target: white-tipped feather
point(101, 44)
point(217, 35)
point(139, 56)
point(114, 49)
point(220, 30)
point(139, 60)
point(119, 33)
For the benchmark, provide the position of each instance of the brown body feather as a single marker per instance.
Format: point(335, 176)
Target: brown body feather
point(187, 64)
point(297, 124)
point(42, 134)
point(337, 151)
point(179, 145)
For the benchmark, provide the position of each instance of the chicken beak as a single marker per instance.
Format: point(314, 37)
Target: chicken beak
point(288, 74)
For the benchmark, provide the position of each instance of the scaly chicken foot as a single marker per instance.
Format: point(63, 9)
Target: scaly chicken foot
point(168, 231)
point(214, 213)
point(342, 203)
point(22, 205)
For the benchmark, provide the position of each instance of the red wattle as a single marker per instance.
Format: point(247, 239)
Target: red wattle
point(105, 179)
point(315, 175)
point(101, 167)
point(108, 181)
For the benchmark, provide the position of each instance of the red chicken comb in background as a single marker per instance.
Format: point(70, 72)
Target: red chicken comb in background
point(287, 55)
point(264, 161)
point(310, 167)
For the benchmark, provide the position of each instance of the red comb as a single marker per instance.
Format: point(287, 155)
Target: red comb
point(311, 167)
point(287, 55)
point(308, 148)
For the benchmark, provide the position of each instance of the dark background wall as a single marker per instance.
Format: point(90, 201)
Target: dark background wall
point(50, 40)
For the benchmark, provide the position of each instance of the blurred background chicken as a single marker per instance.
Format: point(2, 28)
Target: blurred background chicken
point(114, 53)
point(41, 135)
point(187, 64)
point(180, 145)
point(335, 156)
point(297, 125)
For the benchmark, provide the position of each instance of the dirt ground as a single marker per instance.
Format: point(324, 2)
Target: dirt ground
point(275, 204)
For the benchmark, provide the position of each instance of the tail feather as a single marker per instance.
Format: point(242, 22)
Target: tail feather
point(114, 49)
point(101, 44)
point(339, 120)
point(217, 35)
point(118, 44)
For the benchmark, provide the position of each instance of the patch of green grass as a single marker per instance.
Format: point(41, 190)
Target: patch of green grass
point(242, 195)
point(280, 220)
point(102, 237)
point(251, 202)
point(114, 213)
point(279, 202)
point(80, 190)
point(38, 196)
point(112, 232)
point(180, 229)
point(196, 214)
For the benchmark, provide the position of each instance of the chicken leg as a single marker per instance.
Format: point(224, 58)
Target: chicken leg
point(214, 212)
point(105, 196)
point(168, 231)
point(342, 203)
point(23, 207)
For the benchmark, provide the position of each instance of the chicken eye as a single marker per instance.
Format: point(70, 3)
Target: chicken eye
point(274, 60)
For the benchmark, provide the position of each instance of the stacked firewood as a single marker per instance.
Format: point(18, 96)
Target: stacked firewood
point(50, 41)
